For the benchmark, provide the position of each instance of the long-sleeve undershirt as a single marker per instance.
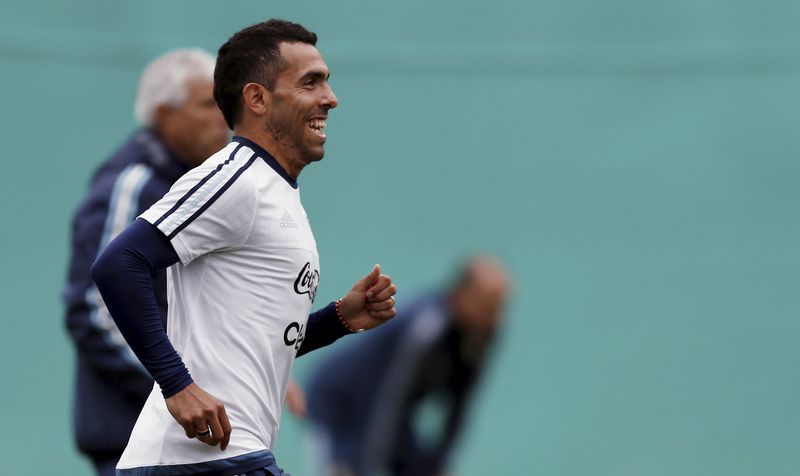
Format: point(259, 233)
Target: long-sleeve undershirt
point(124, 274)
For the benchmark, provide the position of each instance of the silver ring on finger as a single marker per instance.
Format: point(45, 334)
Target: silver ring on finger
point(204, 433)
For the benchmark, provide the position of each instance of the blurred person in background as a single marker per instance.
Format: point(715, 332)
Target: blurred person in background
point(395, 403)
point(180, 127)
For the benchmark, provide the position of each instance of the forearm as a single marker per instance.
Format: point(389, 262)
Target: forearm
point(323, 328)
point(441, 450)
point(124, 274)
point(460, 398)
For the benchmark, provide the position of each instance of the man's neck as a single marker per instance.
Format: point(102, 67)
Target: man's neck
point(263, 139)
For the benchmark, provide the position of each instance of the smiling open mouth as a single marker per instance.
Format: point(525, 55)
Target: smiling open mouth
point(318, 126)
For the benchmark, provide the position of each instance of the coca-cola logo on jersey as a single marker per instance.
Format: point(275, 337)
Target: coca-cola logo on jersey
point(307, 282)
point(293, 335)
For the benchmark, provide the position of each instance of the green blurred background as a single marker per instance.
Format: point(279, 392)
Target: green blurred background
point(634, 162)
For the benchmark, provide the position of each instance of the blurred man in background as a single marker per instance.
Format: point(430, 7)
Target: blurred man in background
point(367, 402)
point(180, 127)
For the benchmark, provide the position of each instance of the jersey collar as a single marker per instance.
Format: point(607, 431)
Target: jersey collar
point(268, 158)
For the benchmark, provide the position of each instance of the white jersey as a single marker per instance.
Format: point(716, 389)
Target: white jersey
point(238, 300)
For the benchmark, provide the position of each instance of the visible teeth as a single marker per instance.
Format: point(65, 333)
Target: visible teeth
point(317, 124)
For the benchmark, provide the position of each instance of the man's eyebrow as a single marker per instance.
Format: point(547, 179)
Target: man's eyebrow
point(316, 74)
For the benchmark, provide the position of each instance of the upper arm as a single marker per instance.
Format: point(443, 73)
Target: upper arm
point(210, 208)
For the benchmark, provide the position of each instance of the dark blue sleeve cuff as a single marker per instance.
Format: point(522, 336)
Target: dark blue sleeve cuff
point(323, 328)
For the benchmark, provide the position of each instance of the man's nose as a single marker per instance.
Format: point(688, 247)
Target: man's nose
point(329, 100)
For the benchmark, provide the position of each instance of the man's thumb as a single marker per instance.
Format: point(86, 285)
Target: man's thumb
point(370, 279)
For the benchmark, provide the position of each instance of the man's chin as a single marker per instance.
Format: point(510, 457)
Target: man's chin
point(314, 155)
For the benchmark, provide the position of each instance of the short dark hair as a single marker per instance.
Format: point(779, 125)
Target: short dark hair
point(253, 55)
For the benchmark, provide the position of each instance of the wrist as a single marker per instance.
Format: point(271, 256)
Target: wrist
point(175, 383)
point(341, 317)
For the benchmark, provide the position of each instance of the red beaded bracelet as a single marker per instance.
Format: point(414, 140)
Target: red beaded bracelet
point(341, 319)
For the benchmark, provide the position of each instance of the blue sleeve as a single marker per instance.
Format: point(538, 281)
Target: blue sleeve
point(323, 328)
point(124, 274)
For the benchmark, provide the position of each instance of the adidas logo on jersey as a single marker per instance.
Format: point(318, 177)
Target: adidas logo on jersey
point(287, 221)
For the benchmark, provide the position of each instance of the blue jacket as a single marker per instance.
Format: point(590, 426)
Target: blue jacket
point(111, 385)
point(367, 394)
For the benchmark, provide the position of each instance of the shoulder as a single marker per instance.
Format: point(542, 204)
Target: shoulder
point(220, 187)
point(226, 166)
point(117, 184)
point(227, 176)
point(421, 307)
point(129, 154)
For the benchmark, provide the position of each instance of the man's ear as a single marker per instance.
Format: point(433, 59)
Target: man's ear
point(161, 115)
point(256, 98)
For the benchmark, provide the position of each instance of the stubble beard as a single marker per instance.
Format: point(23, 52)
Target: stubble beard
point(297, 155)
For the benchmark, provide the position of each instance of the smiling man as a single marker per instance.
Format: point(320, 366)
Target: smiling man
point(243, 270)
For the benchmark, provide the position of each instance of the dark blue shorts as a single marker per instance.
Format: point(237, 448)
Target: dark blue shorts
point(264, 472)
point(262, 462)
